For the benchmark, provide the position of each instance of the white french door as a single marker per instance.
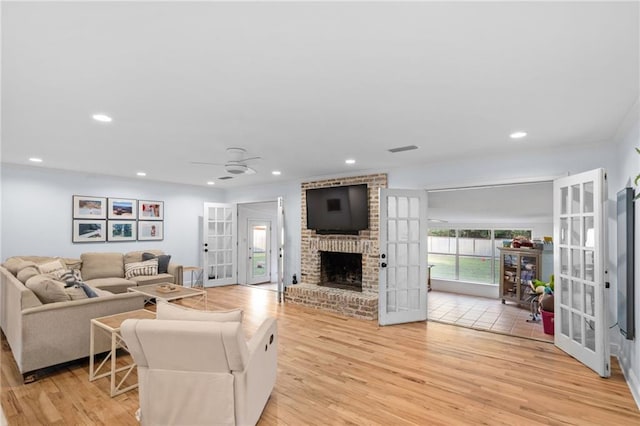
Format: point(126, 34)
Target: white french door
point(403, 256)
point(579, 257)
point(220, 241)
point(259, 245)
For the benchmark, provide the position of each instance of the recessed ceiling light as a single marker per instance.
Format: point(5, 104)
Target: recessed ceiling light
point(276, 172)
point(350, 161)
point(518, 135)
point(102, 117)
point(141, 174)
point(35, 160)
point(211, 182)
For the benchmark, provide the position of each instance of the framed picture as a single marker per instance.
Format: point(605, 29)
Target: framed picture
point(89, 231)
point(121, 230)
point(89, 207)
point(150, 210)
point(150, 230)
point(123, 208)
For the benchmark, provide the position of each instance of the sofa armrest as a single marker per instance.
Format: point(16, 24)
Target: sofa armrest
point(177, 271)
point(59, 332)
point(254, 385)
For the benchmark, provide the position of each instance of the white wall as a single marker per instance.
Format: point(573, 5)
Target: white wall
point(628, 166)
point(37, 212)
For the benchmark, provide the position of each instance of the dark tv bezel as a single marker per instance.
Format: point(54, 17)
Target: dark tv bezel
point(338, 231)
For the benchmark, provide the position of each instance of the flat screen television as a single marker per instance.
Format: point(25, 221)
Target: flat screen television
point(626, 278)
point(338, 209)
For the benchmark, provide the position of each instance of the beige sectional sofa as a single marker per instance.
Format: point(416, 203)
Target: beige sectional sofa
point(45, 334)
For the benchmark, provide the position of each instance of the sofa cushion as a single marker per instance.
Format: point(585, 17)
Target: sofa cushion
point(152, 279)
point(163, 260)
point(169, 311)
point(136, 256)
point(25, 273)
point(16, 264)
point(114, 285)
point(102, 265)
point(48, 289)
point(136, 269)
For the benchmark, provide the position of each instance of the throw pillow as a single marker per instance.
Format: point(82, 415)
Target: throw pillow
point(163, 261)
point(69, 276)
point(168, 311)
point(53, 266)
point(136, 269)
point(16, 264)
point(47, 289)
point(25, 273)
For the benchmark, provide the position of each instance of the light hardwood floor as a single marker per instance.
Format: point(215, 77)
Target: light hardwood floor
point(337, 370)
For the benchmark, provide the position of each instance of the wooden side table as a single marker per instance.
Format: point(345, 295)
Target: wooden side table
point(198, 272)
point(111, 325)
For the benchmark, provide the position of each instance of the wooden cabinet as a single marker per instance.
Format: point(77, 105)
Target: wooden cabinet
point(518, 267)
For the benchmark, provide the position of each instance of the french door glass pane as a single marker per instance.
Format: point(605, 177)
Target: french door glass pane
point(588, 197)
point(575, 199)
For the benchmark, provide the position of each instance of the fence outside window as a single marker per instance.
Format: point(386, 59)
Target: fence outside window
point(469, 255)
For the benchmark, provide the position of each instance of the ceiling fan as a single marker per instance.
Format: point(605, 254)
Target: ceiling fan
point(236, 164)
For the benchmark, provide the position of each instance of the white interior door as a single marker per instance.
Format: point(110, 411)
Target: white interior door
point(579, 256)
point(280, 236)
point(403, 256)
point(220, 241)
point(259, 246)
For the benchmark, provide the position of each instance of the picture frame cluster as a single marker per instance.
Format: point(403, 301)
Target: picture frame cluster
point(99, 219)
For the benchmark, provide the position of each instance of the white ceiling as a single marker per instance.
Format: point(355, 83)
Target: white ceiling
point(307, 85)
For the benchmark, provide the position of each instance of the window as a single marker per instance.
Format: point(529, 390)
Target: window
point(441, 245)
point(468, 254)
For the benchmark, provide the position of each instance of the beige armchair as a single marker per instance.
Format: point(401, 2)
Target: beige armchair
point(197, 372)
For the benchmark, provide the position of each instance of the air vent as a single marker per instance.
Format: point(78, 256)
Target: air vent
point(225, 177)
point(403, 148)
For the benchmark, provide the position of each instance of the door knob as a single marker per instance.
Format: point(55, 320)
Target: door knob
point(206, 250)
point(383, 265)
point(383, 255)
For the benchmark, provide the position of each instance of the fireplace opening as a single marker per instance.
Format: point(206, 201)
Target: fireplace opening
point(341, 270)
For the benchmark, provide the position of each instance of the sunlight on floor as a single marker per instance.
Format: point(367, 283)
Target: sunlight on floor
point(484, 314)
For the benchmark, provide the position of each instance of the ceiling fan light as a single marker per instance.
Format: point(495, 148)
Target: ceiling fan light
point(236, 169)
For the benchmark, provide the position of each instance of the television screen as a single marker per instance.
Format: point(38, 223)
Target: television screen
point(625, 271)
point(338, 209)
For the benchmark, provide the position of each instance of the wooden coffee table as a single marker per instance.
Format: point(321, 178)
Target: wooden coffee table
point(111, 325)
point(160, 291)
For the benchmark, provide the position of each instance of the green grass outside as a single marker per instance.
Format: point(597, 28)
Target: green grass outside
point(259, 259)
point(474, 269)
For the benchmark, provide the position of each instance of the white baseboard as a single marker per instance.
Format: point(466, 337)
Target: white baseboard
point(471, 289)
point(631, 378)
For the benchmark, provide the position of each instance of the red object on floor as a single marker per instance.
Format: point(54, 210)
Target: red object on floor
point(547, 322)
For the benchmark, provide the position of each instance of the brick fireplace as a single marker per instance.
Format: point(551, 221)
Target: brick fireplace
point(361, 300)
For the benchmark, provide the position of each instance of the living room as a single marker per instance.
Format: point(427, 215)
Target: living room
point(241, 79)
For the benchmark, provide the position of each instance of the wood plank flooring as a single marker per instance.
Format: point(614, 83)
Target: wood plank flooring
point(334, 370)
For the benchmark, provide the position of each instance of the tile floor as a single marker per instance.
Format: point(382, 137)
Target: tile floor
point(484, 314)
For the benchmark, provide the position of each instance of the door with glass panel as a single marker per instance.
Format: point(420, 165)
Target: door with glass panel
point(219, 226)
point(259, 245)
point(403, 256)
point(579, 256)
point(280, 238)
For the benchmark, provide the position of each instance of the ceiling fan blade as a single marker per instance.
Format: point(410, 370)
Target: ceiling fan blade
point(251, 158)
point(250, 171)
point(206, 164)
